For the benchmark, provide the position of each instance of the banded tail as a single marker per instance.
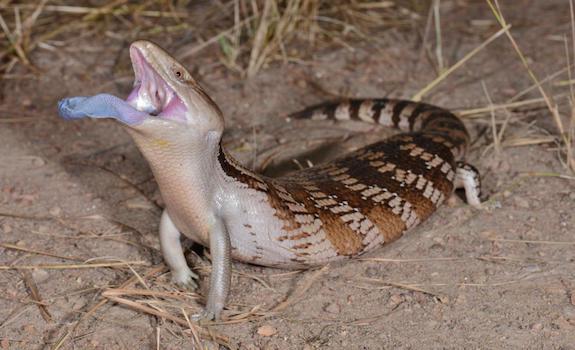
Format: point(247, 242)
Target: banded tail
point(405, 115)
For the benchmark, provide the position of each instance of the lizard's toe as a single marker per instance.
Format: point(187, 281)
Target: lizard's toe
point(206, 315)
point(185, 279)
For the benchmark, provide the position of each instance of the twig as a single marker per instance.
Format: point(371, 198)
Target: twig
point(298, 293)
point(39, 252)
point(72, 266)
point(35, 294)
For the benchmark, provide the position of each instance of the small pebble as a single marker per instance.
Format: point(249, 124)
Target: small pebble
point(522, 202)
point(332, 308)
point(6, 228)
point(267, 331)
point(139, 203)
point(40, 275)
point(573, 298)
point(536, 327)
point(372, 272)
point(395, 300)
point(26, 101)
point(569, 312)
point(451, 201)
point(55, 211)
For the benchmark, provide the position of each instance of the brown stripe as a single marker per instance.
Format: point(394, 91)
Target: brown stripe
point(397, 109)
point(421, 107)
point(354, 106)
point(378, 106)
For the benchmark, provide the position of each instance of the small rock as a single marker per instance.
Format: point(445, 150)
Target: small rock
point(506, 193)
point(372, 272)
point(301, 83)
point(562, 323)
point(536, 327)
point(531, 268)
point(267, 331)
point(6, 228)
point(569, 312)
point(210, 345)
point(490, 235)
point(395, 300)
point(5, 344)
point(332, 308)
point(26, 101)
point(139, 203)
point(573, 298)
point(522, 202)
point(40, 275)
point(451, 201)
point(55, 211)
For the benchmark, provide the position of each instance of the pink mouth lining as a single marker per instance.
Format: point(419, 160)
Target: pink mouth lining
point(151, 93)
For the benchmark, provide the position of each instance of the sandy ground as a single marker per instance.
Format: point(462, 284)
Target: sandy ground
point(501, 278)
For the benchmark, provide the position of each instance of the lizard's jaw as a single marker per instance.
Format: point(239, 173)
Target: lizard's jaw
point(151, 93)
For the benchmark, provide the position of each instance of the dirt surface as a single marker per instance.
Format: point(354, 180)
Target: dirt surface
point(500, 278)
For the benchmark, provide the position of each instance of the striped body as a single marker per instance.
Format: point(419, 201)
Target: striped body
point(355, 203)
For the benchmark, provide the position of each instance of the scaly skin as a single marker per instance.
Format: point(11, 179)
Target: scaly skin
point(332, 211)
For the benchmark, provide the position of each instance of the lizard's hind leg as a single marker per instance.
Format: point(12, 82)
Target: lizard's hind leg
point(468, 178)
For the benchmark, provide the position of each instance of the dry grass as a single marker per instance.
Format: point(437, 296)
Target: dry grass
point(566, 132)
point(249, 33)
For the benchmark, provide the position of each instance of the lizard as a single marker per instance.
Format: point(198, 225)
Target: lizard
point(332, 211)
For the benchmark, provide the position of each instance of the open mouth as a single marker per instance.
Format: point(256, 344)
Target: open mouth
point(152, 97)
point(151, 93)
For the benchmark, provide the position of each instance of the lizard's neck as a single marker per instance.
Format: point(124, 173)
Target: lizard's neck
point(188, 176)
point(193, 178)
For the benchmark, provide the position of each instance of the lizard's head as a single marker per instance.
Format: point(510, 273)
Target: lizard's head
point(165, 89)
point(165, 100)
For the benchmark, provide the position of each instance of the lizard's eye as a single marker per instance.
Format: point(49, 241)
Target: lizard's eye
point(180, 74)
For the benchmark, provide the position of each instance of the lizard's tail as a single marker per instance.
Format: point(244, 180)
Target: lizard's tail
point(408, 116)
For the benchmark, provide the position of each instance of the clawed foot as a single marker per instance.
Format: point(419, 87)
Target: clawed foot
point(210, 313)
point(185, 278)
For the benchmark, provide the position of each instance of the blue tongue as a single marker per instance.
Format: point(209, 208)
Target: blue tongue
point(100, 106)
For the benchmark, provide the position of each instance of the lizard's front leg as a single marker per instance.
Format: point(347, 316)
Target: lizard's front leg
point(220, 279)
point(174, 255)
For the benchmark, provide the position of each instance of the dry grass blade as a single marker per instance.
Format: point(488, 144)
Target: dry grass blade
point(525, 141)
point(39, 252)
point(551, 105)
point(66, 335)
point(25, 216)
point(115, 292)
point(523, 241)
point(447, 72)
point(410, 287)
point(125, 264)
point(496, 139)
point(543, 174)
point(35, 294)
point(299, 292)
point(220, 339)
point(479, 112)
point(193, 329)
point(411, 260)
